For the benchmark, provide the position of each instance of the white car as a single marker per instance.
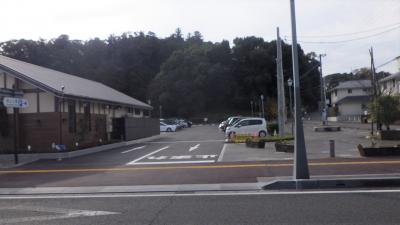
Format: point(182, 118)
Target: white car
point(251, 125)
point(164, 127)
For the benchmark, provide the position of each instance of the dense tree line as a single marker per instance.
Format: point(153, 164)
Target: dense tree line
point(186, 75)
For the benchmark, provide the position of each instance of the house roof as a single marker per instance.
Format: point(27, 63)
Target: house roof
point(351, 99)
point(352, 84)
point(74, 87)
point(395, 76)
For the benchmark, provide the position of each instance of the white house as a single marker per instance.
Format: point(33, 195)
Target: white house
point(349, 100)
point(390, 85)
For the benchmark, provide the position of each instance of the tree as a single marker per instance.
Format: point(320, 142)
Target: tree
point(385, 110)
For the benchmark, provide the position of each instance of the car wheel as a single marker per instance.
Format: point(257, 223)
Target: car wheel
point(169, 129)
point(231, 135)
point(262, 134)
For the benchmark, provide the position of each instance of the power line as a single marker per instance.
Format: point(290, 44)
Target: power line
point(348, 40)
point(384, 64)
point(351, 33)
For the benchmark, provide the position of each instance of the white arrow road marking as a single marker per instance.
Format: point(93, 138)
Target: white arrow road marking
point(194, 147)
point(145, 156)
point(60, 214)
point(133, 149)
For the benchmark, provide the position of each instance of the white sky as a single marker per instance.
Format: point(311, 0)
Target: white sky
point(218, 20)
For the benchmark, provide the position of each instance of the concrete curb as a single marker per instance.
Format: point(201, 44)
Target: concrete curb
point(333, 183)
point(28, 158)
point(133, 189)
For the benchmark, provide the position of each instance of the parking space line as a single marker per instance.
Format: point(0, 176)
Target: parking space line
point(222, 153)
point(133, 149)
point(194, 147)
point(145, 156)
point(174, 162)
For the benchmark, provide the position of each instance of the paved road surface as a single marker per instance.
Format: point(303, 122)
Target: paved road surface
point(193, 152)
point(311, 209)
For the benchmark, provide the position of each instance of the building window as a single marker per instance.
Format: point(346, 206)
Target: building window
point(349, 91)
point(71, 116)
point(137, 111)
point(130, 110)
point(87, 116)
point(335, 93)
point(146, 112)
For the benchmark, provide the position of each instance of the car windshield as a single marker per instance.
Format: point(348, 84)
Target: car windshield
point(200, 112)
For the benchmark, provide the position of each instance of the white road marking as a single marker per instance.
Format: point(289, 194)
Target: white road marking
point(172, 142)
point(133, 149)
point(63, 214)
point(181, 157)
point(219, 193)
point(145, 156)
point(221, 155)
point(194, 147)
point(174, 162)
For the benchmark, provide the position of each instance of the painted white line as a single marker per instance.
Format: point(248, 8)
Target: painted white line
point(175, 194)
point(174, 162)
point(145, 156)
point(62, 214)
point(194, 147)
point(172, 142)
point(133, 149)
point(221, 155)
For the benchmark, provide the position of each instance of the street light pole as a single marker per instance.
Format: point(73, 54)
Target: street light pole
point(262, 106)
point(160, 111)
point(61, 104)
point(300, 167)
point(290, 83)
point(323, 96)
point(251, 105)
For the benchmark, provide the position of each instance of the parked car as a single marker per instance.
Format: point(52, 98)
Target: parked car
point(250, 125)
point(232, 121)
point(165, 127)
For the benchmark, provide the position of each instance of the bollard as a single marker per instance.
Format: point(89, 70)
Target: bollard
point(332, 148)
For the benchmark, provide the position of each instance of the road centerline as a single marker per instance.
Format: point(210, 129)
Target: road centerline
point(133, 149)
point(145, 156)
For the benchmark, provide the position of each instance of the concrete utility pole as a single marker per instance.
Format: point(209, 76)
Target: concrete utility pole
point(251, 105)
point(160, 111)
point(300, 167)
point(374, 89)
point(281, 87)
point(323, 95)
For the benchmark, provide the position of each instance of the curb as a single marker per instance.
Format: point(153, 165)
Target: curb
point(388, 182)
point(133, 189)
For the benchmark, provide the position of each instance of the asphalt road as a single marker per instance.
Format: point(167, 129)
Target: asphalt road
point(189, 156)
point(296, 208)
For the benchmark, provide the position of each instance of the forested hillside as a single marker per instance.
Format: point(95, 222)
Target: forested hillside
point(186, 75)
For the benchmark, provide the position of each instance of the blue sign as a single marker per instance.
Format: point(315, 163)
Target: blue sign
point(15, 102)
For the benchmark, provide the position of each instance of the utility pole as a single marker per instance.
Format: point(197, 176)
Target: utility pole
point(160, 111)
point(323, 95)
point(374, 90)
point(300, 164)
point(280, 85)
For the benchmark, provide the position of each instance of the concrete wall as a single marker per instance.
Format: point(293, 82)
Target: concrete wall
point(136, 128)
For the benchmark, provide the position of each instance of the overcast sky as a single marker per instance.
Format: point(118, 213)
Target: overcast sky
point(317, 21)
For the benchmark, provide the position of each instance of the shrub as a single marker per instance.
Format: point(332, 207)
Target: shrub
point(272, 127)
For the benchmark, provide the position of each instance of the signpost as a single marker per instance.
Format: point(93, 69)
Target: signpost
point(15, 103)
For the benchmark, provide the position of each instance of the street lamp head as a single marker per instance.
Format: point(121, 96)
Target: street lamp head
point(289, 82)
